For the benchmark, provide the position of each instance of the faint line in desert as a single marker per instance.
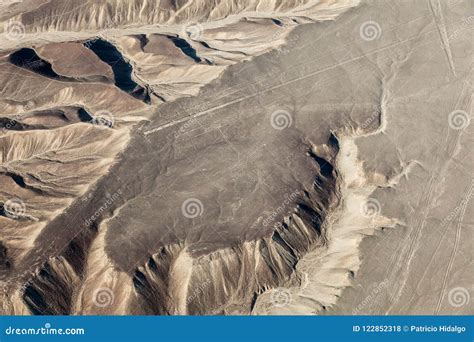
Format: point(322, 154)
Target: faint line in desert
point(316, 72)
point(455, 247)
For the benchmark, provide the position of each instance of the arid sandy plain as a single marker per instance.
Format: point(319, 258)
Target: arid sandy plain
point(252, 157)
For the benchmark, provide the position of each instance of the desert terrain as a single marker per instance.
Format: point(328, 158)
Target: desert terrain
point(233, 157)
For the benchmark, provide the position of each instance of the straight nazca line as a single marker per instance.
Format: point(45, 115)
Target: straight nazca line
point(210, 110)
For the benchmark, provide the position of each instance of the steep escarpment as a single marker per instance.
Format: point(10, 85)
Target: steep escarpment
point(121, 69)
point(51, 290)
point(319, 232)
point(175, 280)
point(176, 50)
point(228, 280)
point(56, 15)
point(327, 270)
